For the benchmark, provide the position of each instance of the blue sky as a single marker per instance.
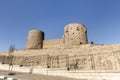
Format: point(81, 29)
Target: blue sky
point(17, 17)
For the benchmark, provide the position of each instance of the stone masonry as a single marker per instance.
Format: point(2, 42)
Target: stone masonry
point(71, 52)
point(74, 34)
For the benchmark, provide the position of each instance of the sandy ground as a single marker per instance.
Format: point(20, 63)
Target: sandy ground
point(26, 76)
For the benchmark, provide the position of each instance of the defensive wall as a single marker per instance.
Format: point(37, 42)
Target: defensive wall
point(52, 43)
point(71, 52)
point(84, 57)
point(90, 62)
point(74, 34)
point(80, 75)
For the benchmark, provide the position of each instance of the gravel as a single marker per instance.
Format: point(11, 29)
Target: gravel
point(26, 76)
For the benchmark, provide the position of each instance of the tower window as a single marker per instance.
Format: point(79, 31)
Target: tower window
point(66, 31)
point(77, 29)
point(80, 42)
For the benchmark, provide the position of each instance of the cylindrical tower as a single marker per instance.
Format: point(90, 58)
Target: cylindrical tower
point(35, 39)
point(75, 34)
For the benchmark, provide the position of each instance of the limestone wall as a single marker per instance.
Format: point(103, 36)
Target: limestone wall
point(35, 39)
point(84, 57)
point(80, 75)
point(98, 61)
point(75, 34)
point(52, 43)
point(68, 50)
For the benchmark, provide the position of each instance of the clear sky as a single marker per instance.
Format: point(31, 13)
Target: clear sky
point(17, 17)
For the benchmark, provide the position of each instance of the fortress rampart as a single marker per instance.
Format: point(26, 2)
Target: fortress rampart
point(53, 43)
point(72, 51)
point(84, 57)
point(74, 34)
point(35, 39)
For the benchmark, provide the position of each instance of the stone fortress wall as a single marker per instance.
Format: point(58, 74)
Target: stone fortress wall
point(84, 57)
point(53, 43)
point(35, 39)
point(74, 34)
point(70, 52)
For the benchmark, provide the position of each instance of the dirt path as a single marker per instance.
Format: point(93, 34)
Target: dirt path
point(26, 76)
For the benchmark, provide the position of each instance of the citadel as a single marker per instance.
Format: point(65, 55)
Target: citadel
point(74, 34)
point(69, 53)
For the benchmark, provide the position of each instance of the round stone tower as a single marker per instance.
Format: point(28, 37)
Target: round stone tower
point(75, 34)
point(35, 39)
